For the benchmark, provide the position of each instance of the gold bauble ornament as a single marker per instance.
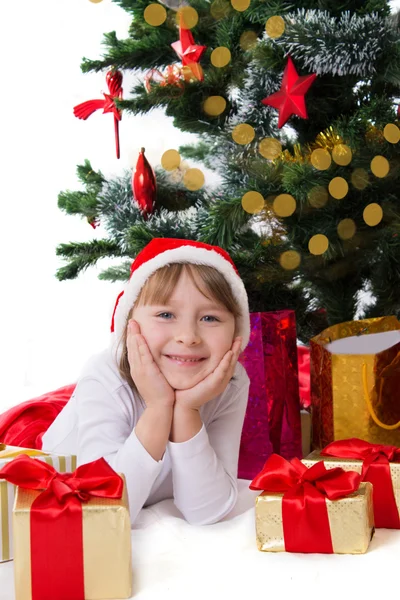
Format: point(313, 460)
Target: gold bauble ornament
point(321, 159)
point(253, 202)
point(243, 134)
point(240, 5)
point(193, 179)
point(318, 196)
point(275, 27)
point(270, 148)
point(391, 133)
point(170, 160)
point(220, 57)
point(284, 205)
point(187, 17)
point(248, 40)
point(373, 214)
point(359, 178)
point(155, 14)
point(318, 244)
point(290, 260)
point(338, 188)
point(342, 154)
point(380, 166)
point(214, 105)
point(346, 229)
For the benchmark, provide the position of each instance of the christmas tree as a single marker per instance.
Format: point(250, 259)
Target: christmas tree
point(294, 105)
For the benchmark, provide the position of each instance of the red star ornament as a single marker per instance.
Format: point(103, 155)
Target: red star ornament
point(290, 98)
point(189, 52)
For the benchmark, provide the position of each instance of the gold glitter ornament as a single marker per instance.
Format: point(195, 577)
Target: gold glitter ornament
point(193, 179)
point(170, 160)
point(187, 17)
point(346, 229)
point(270, 148)
point(275, 27)
point(318, 244)
point(338, 188)
point(248, 40)
point(243, 134)
point(373, 214)
point(155, 14)
point(318, 196)
point(240, 5)
point(253, 202)
point(321, 159)
point(359, 178)
point(380, 166)
point(220, 57)
point(284, 205)
point(220, 9)
point(342, 155)
point(290, 260)
point(214, 105)
point(391, 133)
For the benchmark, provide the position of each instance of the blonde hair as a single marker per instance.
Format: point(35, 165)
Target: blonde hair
point(159, 288)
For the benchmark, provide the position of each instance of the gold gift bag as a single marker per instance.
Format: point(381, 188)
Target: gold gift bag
point(355, 384)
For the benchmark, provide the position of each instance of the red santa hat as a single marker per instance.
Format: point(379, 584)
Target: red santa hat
point(164, 251)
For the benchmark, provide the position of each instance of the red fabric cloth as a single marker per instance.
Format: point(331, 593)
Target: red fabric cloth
point(24, 425)
point(303, 359)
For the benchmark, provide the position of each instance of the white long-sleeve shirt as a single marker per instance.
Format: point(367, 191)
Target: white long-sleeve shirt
point(199, 474)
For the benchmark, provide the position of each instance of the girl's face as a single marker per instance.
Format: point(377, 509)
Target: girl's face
point(188, 336)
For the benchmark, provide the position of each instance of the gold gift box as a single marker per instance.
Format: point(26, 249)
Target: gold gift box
point(352, 464)
point(106, 546)
point(62, 464)
point(351, 521)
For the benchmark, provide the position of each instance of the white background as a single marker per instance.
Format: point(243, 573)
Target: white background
point(48, 329)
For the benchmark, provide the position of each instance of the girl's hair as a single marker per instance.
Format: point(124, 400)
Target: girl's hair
point(159, 288)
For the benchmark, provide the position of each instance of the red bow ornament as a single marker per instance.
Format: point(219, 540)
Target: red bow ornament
point(56, 536)
point(375, 469)
point(84, 110)
point(304, 513)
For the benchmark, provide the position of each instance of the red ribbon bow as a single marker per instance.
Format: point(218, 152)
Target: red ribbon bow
point(304, 512)
point(376, 469)
point(56, 521)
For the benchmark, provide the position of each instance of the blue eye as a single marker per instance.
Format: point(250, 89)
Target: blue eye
point(210, 319)
point(165, 315)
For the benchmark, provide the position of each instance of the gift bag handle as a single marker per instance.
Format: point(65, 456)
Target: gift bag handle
point(369, 403)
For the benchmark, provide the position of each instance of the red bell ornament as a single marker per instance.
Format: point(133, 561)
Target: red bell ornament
point(144, 185)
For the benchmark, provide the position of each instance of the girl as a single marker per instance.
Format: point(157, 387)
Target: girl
point(165, 403)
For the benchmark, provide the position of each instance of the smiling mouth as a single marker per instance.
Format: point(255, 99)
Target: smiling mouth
point(184, 361)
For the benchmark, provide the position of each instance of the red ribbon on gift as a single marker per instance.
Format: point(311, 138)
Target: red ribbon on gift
point(376, 469)
point(304, 513)
point(56, 521)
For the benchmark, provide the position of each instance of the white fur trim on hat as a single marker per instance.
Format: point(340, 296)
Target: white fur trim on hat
point(191, 255)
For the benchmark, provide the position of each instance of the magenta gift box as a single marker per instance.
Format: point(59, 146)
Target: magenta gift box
point(272, 422)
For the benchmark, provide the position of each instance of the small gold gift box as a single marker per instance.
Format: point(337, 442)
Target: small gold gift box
point(351, 521)
point(352, 464)
point(106, 546)
point(62, 464)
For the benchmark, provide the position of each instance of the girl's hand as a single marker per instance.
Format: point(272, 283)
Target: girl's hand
point(213, 384)
point(150, 382)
